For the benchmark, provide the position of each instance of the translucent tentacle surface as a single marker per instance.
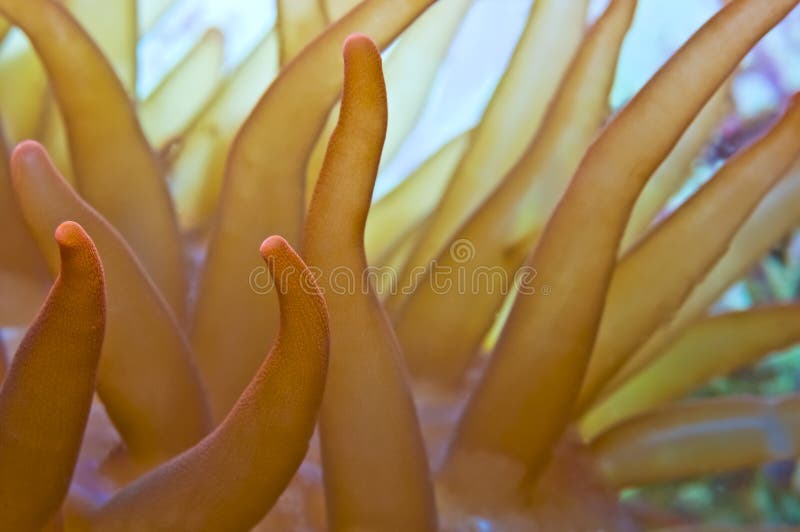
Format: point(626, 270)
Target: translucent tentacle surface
point(726, 201)
point(393, 216)
point(45, 398)
point(713, 347)
point(175, 103)
point(374, 464)
point(267, 164)
point(196, 174)
point(410, 70)
point(504, 227)
point(234, 476)
point(774, 218)
point(677, 167)
point(299, 22)
point(148, 381)
point(525, 398)
point(510, 121)
point(700, 437)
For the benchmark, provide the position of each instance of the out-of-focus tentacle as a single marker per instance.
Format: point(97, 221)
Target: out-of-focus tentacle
point(701, 437)
point(528, 392)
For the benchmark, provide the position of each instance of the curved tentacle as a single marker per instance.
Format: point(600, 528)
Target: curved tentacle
point(406, 206)
point(148, 381)
point(299, 22)
point(505, 226)
point(23, 273)
point(267, 163)
point(231, 479)
point(512, 118)
point(710, 348)
point(726, 201)
point(677, 167)
point(699, 437)
point(527, 394)
point(46, 396)
point(375, 469)
point(774, 218)
point(115, 168)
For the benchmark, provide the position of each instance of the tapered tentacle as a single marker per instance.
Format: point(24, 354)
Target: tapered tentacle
point(148, 381)
point(267, 163)
point(397, 213)
point(710, 348)
point(375, 468)
point(196, 174)
point(677, 167)
point(410, 70)
point(22, 100)
point(336, 9)
point(701, 437)
point(299, 22)
point(45, 398)
point(727, 201)
point(174, 104)
point(234, 476)
point(112, 25)
point(526, 396)
point(116, 170)
point(774, 218)
point(513, 116)
point(505, 226)
point(23, 273)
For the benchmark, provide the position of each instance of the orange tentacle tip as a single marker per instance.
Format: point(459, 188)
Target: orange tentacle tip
point(71, 235)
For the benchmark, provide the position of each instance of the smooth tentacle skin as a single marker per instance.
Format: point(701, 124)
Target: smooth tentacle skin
point(268, 160)
point(526, 396)
point(200, 163)
point(112, 26)
point(727, 201)
point(410, 70)
point(116, 170)
point(507, 224)
point(673, 172)
point(709, 348)
point(300, 21)
point(45, 398)
point(374, 464)
point(510, 121)
point(185, 91)
point(774, 218)
point(22, 100)
point(23, 273)
point(147, 381)
point(699, 438)
point(392, 217)
point(234, 476)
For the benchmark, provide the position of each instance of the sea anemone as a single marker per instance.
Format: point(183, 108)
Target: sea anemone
point(528, 360)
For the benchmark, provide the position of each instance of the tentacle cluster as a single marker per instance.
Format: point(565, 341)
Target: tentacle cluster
point(474, 400)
